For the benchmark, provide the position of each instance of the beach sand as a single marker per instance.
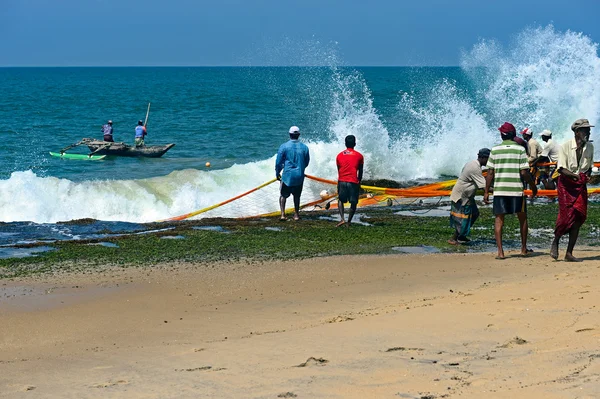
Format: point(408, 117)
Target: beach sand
point(398, 326)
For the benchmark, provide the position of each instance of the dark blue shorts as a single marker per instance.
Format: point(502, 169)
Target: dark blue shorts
point(348, 192)
point(504, 204)
point(293, 190)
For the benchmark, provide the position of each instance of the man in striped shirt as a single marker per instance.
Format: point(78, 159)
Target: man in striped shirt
point(507, 166)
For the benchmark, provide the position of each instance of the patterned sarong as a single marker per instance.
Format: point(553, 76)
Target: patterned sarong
point(462, 217)
point(572, 203)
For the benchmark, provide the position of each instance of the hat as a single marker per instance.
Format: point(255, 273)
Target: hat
point(109, 122)
point(526, 131)
point(507, 128)
point(140, 122)
point(546, 133)
point(294, 129)
point(484, 153)
point(579, 123)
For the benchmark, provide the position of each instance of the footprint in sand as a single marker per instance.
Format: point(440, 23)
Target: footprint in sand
point(110, 384)
point(287, 395)
point(313, 361)
point(513, 342)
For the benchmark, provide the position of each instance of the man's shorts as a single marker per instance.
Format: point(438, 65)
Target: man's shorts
point(293, 190)
point(108, 137)
point(507, 205)
point(139, 141)
point(348, 192)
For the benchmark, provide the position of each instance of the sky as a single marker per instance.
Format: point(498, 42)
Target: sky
point(271, 32)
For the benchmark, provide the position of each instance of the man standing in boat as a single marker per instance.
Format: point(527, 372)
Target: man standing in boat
point(140, 134)
point(107, 131)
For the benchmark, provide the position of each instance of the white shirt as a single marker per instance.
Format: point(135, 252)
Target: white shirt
point(551, 150)
point(567, 157)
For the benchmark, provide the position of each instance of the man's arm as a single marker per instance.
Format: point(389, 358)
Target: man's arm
point(561, 165)
point(279, 162)
point(488, 183)
point(360, 173)
point(527, 177)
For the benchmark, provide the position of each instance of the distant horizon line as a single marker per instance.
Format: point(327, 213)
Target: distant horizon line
point(228, 66)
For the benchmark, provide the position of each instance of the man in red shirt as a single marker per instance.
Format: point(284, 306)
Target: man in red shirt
point(350, 172)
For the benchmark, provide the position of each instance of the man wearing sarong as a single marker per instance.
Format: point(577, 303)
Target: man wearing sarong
point(575, 161)
point(463, 209)
point(507, 165)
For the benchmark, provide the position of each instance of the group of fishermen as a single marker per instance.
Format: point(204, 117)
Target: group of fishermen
point(140, 132)
point(511, 165)
point(516, 162)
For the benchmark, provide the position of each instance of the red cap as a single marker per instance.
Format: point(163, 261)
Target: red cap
point(526, 131)
point(507, 128)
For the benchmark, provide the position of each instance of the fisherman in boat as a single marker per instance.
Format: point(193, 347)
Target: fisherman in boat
point(107, 131)
point(140, 134)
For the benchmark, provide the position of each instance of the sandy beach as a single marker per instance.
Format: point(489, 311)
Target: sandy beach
point(399, 326)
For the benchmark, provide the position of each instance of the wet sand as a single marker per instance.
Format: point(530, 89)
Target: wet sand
point(398, 326)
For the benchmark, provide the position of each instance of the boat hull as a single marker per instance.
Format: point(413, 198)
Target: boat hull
point(125, 150)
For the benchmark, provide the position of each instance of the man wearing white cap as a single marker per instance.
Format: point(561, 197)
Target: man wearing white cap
point(549, 154)
point(551, 149)
point(292, 159)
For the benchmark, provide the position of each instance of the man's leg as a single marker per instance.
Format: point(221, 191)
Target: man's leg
point(499, 223)
point(524, 228)
point(554, 247)
point(282, 206)
point(341, 211)
point(351, 212)
point(573, 234)
point(296, 206)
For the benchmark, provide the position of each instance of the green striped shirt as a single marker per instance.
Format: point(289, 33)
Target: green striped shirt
point(507, 160)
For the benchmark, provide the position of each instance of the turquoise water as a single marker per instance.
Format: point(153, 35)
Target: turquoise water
point(410, 123)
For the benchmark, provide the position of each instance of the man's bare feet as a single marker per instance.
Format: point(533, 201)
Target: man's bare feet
point(452, 242)
point(571, 258)
point(340, 224)
point(296, 217)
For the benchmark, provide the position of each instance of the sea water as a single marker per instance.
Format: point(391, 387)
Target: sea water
point(410, 123)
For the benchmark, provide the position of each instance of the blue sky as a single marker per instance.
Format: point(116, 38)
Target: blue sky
point(270, 32)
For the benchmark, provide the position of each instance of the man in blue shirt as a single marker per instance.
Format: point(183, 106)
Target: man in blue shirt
point(107, 131)
point(292, 159)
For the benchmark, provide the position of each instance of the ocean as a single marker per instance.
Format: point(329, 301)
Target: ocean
point(411, 123)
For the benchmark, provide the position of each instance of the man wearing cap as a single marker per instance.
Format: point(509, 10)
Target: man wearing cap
point(551, 149)
point(507, 165)
point(535, 149)
point(549, 155)
point(463, 209)
point(350, 171)
point(575, 162)
point(292, 159)
point(107, 131)
point(140, 134)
